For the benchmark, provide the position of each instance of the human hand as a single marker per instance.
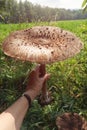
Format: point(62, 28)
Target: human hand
point(35, 82)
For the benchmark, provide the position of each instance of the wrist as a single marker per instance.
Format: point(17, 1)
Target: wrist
point(31, 93)
point(28, 98)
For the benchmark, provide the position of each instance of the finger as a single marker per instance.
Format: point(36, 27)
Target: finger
point(42, 70)
point(46, 77)
point(32, 74)
point(37, 69)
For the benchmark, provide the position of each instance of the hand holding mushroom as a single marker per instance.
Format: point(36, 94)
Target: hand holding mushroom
point(42, 45)
point(35, 82)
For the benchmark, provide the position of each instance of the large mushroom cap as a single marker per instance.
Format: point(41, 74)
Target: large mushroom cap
point(42, 44)
point(71, 121)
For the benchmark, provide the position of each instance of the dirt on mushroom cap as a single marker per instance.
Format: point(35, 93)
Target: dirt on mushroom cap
point(42, 44)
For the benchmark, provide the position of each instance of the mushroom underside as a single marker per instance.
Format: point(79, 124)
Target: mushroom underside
point(41, 48)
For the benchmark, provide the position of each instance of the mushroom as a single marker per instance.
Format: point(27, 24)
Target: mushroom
point(71, 121)
point(42, 45)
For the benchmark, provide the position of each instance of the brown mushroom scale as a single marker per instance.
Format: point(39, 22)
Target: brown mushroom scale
point(42, 44)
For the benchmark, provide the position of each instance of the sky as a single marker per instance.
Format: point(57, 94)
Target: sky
point(67, 4)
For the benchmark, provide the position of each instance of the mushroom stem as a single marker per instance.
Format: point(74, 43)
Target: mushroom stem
point(45, 98)
point(43, 71)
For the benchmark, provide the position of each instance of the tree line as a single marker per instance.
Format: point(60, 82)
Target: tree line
point(13, 12)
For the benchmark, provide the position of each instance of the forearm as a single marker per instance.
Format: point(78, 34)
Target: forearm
point(12, 118)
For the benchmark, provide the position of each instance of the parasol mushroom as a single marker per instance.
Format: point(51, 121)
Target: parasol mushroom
point(71, 121)
point(43, 45)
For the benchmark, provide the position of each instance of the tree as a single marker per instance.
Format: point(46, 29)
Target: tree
point(2, 4)
point(84, 5)
point(28, 11)
point(2, 7)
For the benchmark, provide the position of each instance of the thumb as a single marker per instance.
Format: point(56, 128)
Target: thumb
point(46, 77)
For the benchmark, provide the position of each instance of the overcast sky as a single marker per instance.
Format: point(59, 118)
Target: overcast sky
point(68, 4)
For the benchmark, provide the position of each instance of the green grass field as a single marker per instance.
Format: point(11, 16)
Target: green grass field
point(68, 82)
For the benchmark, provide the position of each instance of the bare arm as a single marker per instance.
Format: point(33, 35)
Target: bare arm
point(12, 118)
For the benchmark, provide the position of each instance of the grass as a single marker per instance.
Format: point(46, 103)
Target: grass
point(68, 82)
point(73, 26)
